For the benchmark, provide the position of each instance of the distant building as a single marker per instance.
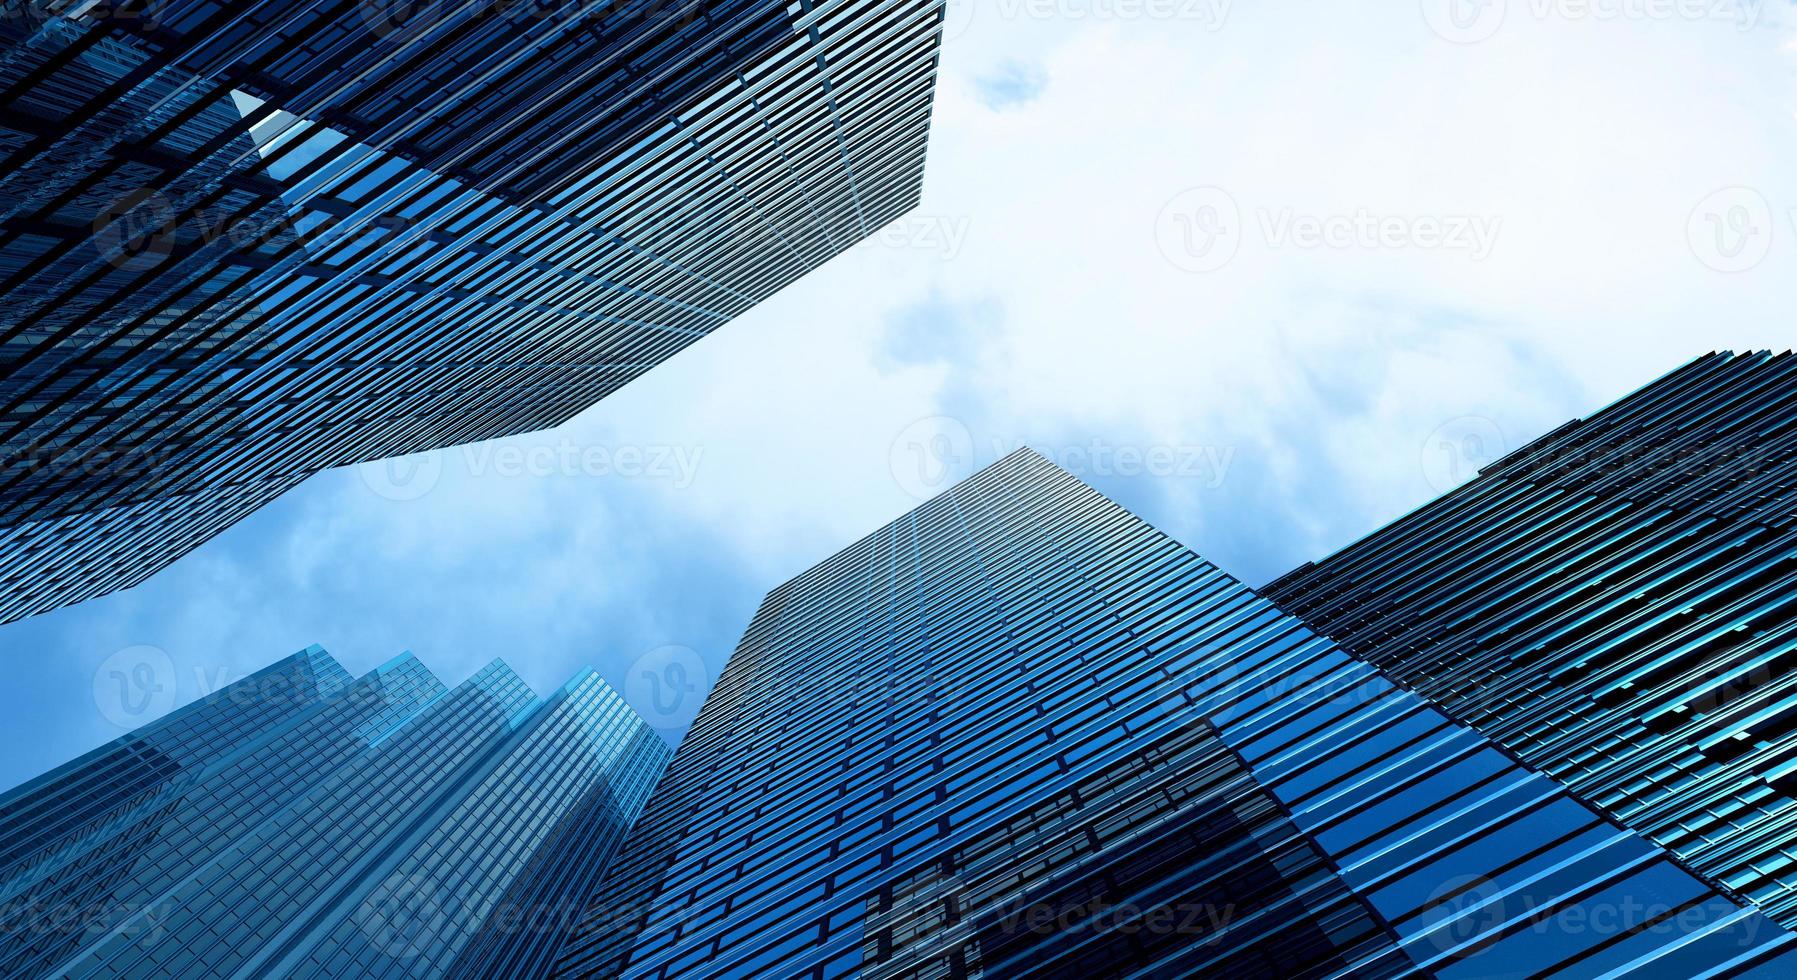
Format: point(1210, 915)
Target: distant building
point(301, 824)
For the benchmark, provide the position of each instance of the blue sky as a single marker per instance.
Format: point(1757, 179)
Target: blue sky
point(1268, 274)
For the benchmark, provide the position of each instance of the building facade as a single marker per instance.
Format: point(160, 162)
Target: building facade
point(1019, 732)
point(241, 243)
point(1616, 603)
point(300, 823)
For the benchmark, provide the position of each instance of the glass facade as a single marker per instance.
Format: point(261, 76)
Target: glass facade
point(1019, 732)
point(240, 243)
point(1616, 603)
point(299, 823)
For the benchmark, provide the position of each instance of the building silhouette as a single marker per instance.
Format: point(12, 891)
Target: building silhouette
point(1019, 732)
point(299, 823)
point(1616, 603)
point(241, 243)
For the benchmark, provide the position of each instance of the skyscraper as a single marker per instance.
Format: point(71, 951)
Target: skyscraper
point(1616, 603)
point(240, 243)
point(1019, 732)
point(299, 823)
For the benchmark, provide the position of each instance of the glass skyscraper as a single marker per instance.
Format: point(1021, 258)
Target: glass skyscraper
point(1615, 603)
point(299, 823)
point(1018, 732)
point(243, 242)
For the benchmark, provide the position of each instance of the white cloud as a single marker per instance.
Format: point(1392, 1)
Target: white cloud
point(1332, 378)
point(1583, 146)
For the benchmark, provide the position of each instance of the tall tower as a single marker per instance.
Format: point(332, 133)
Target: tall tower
point(301, 824)
point(1019, 732)
point(243, 242)
point(1616, 603)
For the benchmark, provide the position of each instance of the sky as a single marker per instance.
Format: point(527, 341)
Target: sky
point(1268, 274)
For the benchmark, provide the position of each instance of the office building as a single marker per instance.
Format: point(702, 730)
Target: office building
point(299, 823)
point(1615, 603)
point(1019, 732)
point(241, 243)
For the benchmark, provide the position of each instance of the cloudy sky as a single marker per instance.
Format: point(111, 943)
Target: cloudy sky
point(1270, 274)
